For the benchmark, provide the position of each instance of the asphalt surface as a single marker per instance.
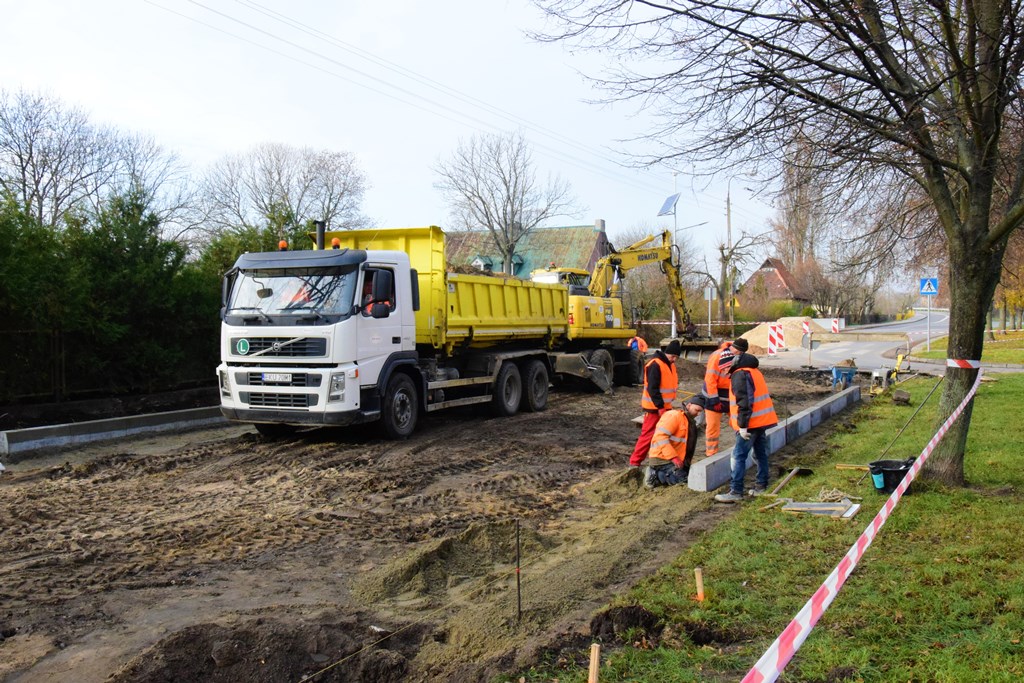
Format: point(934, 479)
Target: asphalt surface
point(871, 355)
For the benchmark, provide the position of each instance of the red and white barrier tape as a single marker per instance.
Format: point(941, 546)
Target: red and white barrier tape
point(967, 364)
point(774, 660)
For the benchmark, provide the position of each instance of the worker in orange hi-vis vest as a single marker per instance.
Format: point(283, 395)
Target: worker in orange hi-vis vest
point(637, 343)
point(716, 390)
point(675, 438)
point(661, 382)
point(751, 413)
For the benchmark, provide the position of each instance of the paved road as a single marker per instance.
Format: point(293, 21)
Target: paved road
point(917, 328)
point(869, 355)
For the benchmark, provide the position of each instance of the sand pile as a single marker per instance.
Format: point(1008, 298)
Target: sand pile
point(792, 329)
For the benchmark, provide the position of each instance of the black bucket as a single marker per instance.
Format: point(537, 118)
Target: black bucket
point(887, 474)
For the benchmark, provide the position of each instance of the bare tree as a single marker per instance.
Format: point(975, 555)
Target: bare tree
point(491, 183)
point(895, 94)
point(801, 221)
point(284, 186)
point(52, 159)
point(731, 259)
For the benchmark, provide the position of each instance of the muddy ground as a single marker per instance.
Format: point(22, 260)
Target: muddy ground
point(338, 556)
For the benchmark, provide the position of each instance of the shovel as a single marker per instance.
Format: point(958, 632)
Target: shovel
point(795, 472)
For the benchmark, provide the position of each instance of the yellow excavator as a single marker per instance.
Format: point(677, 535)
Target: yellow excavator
point(595, 299)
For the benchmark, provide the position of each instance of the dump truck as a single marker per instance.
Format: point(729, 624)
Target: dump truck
point(377, 328)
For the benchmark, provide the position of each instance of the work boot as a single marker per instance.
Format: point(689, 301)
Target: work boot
point(731, 497)
point(650, 478)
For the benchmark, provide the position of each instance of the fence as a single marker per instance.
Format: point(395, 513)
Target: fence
point(58, 365)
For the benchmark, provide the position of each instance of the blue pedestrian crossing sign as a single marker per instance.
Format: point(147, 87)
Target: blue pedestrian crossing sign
point(929, 286)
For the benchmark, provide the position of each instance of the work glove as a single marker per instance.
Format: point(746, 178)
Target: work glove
point(744, 434)
point(700, 420)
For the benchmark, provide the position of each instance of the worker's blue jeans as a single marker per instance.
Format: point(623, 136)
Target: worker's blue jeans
point(759, 442)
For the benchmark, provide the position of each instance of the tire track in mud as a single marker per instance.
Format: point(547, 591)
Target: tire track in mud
point(126, 521)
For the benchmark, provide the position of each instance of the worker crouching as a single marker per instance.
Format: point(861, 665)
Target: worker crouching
point(675, 438)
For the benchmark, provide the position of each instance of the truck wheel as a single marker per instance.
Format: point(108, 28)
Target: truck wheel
point(631, 373)
point(602, 358)
point(400, 407)
point(273, 431)
point(508, 390)
point(535, 386)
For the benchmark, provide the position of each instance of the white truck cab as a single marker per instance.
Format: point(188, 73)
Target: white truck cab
point(307, 336)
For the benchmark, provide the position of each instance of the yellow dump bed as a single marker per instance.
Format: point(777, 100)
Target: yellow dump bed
point(457, 309)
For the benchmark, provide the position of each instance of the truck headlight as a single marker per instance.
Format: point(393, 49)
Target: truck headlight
point(337, 388)
point(225, 383)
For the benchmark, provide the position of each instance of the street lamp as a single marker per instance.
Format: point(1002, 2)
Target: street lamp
point(670, 207)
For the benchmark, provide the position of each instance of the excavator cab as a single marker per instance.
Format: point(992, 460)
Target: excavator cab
point(576, 279)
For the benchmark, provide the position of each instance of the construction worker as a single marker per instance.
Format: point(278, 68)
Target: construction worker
point(675, 439)
point(661, 382)
point(637, 343)
point(716, 390)
point(751, 413)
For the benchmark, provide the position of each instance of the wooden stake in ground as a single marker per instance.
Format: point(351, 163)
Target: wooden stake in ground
point(698, 574)
point(595, 662)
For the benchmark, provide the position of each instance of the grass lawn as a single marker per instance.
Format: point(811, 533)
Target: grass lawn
point(939, 595)
point(1007, 348)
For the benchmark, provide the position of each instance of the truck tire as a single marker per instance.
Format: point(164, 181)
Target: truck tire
point(631, 373)
point(602, 358)
point(270, 430)
point(535, 386)
point(400, 407)
point(508, 390)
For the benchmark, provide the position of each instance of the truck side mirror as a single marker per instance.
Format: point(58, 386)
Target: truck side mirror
point(383, 283)
point(380, 310)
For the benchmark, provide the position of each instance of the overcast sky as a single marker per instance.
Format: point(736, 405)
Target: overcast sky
point(396, 83)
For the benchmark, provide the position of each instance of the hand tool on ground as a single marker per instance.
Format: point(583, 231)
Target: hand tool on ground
point(801, 471)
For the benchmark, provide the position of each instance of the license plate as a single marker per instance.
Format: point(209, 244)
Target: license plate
point(277, 377)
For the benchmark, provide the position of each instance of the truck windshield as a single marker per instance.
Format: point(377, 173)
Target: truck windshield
point(294, 291)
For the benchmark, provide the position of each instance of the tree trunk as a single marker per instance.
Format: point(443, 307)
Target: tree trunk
point(972, 286)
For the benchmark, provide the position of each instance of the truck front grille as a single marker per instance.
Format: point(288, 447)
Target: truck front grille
point(280, 347)
point(261, 400)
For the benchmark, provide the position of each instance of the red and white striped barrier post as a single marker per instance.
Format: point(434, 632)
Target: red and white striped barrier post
point(807, 326)
point(835, 325)
point(781, 334)
point(774, 660)
point(772, 340)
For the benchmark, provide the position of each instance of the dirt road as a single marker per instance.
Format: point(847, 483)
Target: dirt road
point(218, 556)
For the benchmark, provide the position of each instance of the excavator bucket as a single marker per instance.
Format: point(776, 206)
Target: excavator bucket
point(576, 365)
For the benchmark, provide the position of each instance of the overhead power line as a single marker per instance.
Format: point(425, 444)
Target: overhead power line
point(480, 124)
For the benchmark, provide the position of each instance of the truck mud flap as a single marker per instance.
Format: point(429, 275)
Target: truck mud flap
point(575, 364)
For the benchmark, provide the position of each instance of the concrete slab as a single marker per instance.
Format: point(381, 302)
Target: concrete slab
point(21, 441)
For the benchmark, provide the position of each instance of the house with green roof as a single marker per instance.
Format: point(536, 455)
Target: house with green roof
point(572, 246)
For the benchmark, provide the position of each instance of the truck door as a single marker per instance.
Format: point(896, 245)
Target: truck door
point(379, 336)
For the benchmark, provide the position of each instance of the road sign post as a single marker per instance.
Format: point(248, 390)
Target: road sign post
point(929, 288)
point(709, 294)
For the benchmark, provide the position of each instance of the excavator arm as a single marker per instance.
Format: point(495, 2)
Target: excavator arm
point(611, 269)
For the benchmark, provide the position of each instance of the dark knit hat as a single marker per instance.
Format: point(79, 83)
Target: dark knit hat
point(674, 348)
point(698, 401)
point(741, 344)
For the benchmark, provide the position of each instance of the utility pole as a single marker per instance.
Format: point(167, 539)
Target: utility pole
point(675, 210)
point(728, 235)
